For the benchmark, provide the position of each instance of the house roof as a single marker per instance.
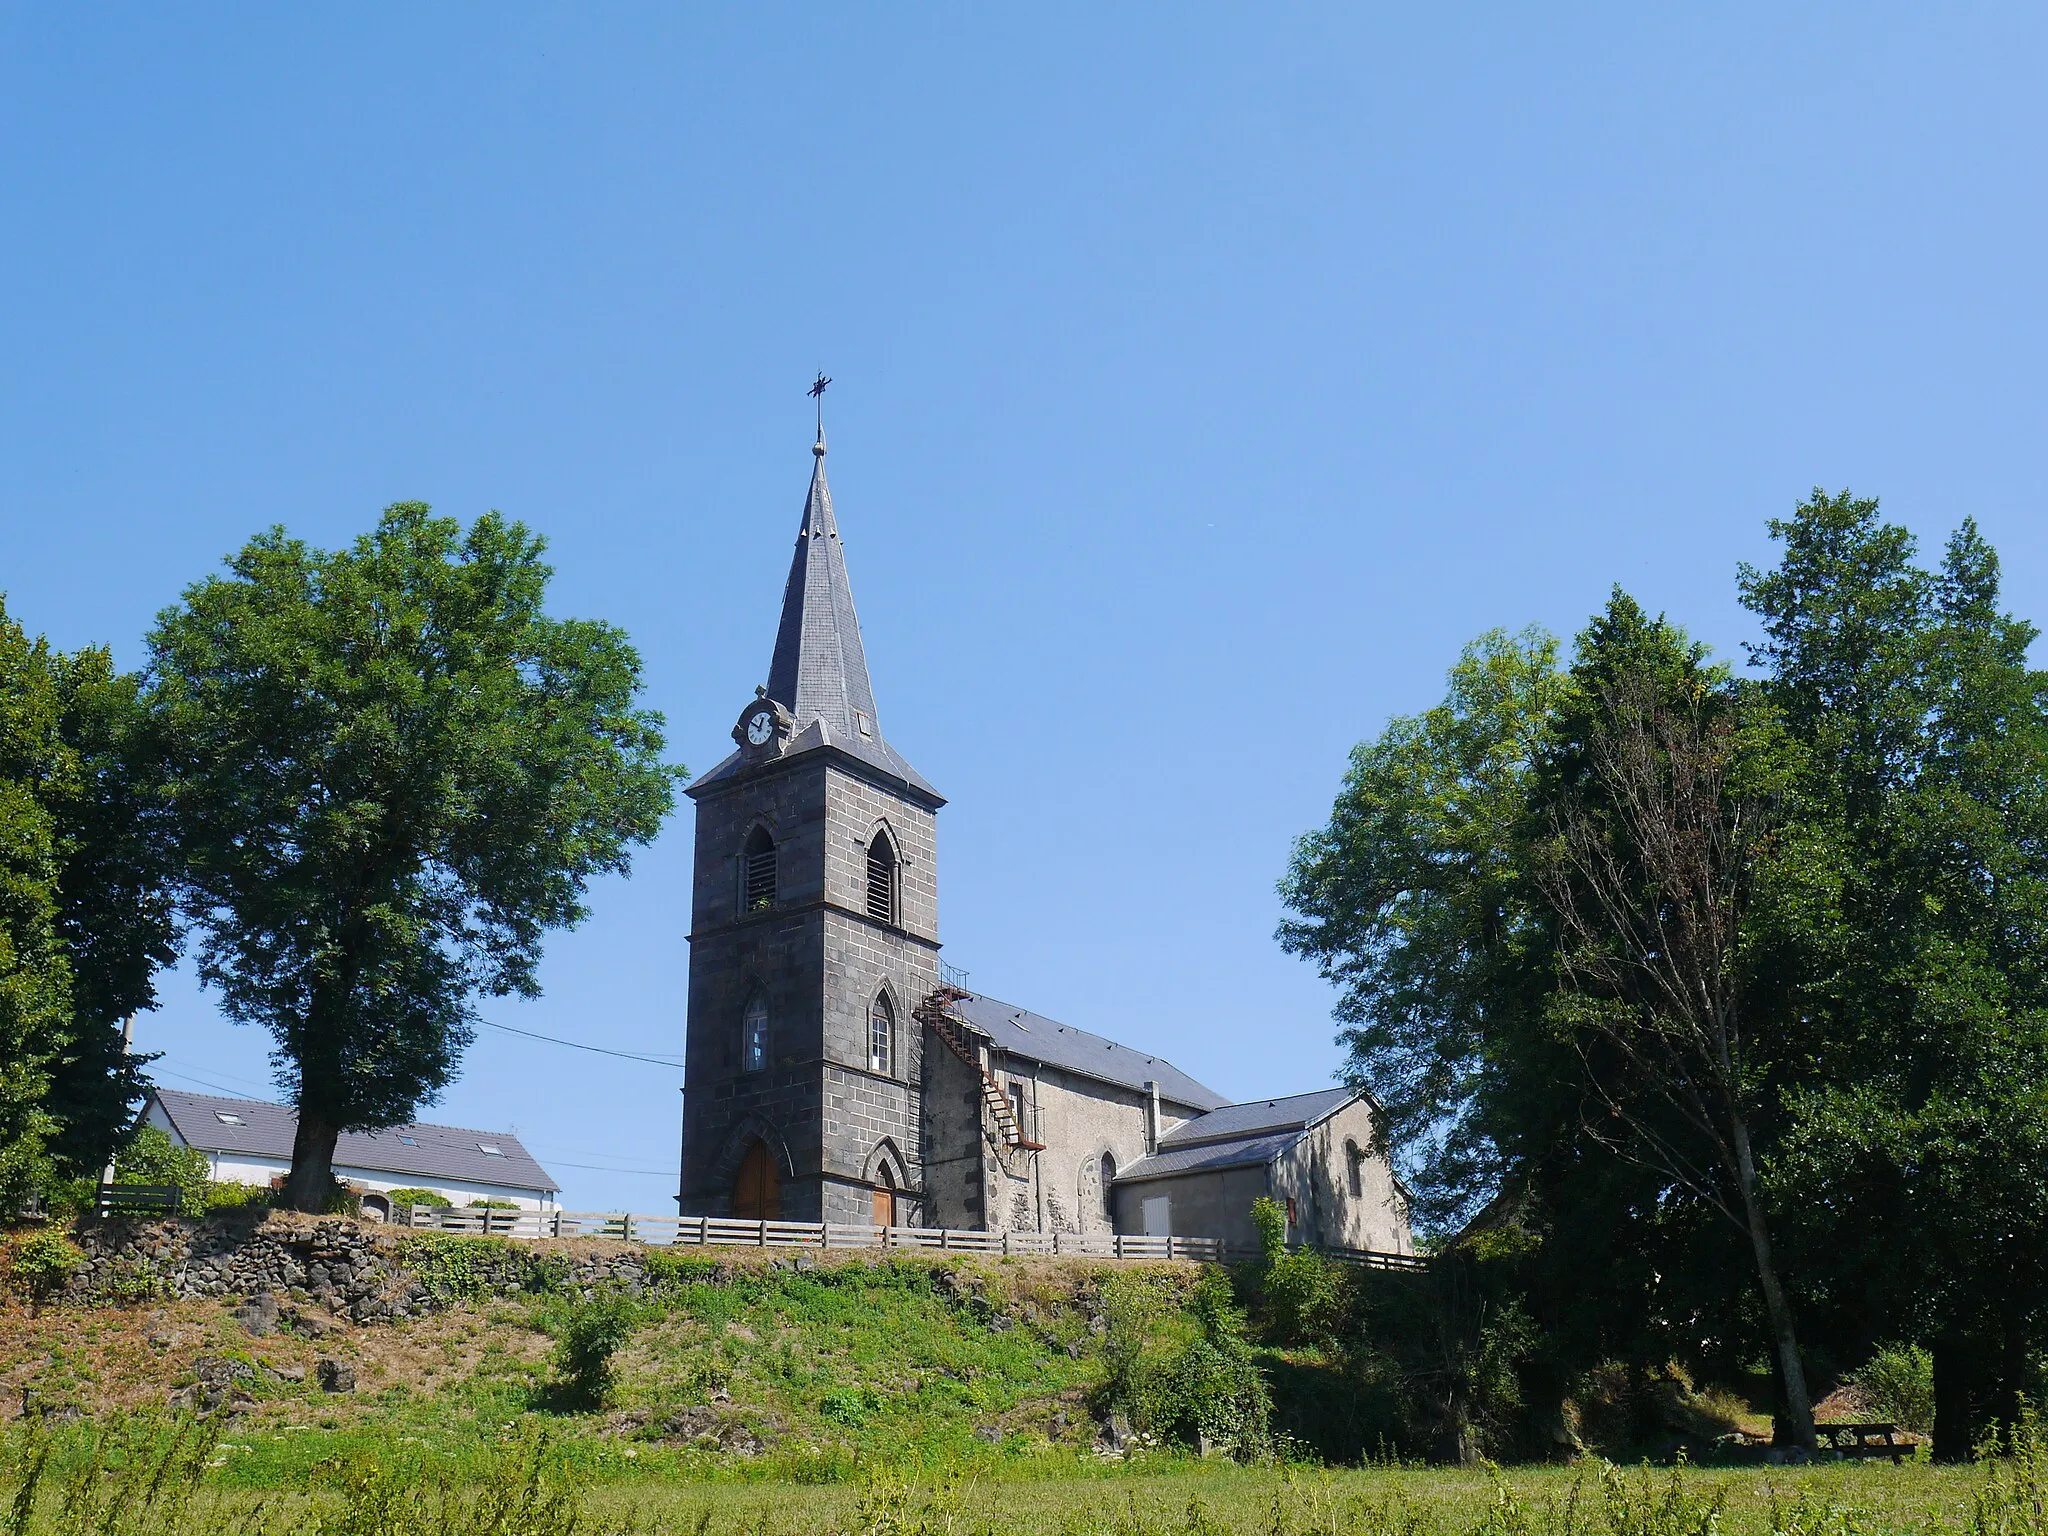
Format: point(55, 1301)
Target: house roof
point(1233, 1122)
point(1033, 1036)
point(1239, 1135)
point(263, 1129)
point(1247, 1152)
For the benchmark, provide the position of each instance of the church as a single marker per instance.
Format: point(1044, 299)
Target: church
point(835, 1071)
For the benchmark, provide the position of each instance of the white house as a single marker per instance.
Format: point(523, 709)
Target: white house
point(249, 1141)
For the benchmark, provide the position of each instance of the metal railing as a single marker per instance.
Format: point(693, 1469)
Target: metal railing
point(726, 1231)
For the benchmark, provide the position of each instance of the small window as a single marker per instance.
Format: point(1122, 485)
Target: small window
point(1108, 1178)
point(1017, 1106)
point(225, 1118)
point(881, 1035)
point(410, 1141)
point(757, 884)
point(1354, 1161)
point(881, 879)
point(754, 1035)
point(490, 1149)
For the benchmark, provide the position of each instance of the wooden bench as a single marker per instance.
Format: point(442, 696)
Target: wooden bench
point(162, 1199)
point(1857, 1440)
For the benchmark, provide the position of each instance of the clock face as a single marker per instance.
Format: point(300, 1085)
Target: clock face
point(760, 726)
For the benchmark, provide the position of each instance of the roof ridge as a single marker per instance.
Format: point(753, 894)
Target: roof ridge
point(425, 1125)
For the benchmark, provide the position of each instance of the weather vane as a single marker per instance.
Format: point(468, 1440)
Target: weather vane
point(817, 393)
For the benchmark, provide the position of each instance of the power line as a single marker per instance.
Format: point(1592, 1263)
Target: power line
point(671, 1063)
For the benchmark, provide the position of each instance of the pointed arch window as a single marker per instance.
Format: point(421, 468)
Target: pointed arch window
point(1354, 1163)
point(881, 1035)
point(757, 872)
point(881, 878)
point(754, 1035)
point(1108, 1178)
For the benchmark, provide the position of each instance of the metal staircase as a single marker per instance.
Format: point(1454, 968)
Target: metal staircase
point(935, 1013)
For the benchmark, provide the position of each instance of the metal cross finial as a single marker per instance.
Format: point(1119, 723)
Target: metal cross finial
point(817, 393)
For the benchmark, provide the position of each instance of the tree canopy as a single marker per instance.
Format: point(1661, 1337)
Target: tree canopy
point(390, 774)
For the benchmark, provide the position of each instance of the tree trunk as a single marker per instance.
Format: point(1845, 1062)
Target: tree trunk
point(1784, 1339)
point(311, 1182)
point(1954, 1387)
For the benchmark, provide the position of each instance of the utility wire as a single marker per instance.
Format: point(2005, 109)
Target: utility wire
point(671, 1063)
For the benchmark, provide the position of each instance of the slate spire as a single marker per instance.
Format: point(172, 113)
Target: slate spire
point(820, 671)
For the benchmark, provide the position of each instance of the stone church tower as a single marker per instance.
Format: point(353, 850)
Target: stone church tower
point(813, 932)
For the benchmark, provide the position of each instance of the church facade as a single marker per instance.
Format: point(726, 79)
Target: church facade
point(832, 1072)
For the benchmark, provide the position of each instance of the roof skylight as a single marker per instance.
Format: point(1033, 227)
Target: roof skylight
point(490, 1149)
point(225, 1118)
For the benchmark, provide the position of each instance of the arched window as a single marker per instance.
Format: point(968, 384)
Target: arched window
point(881, 878)
point(1353, 1159)
point(881, 1035)
point(754, 1035)
point(757, 873)
point(1108, 1178)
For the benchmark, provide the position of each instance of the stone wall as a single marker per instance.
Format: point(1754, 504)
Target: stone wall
point(315, 1267)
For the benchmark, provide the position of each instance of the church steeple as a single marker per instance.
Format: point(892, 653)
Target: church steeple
point(820, 671)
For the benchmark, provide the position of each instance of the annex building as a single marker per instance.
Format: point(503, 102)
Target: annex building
point(834, 1074)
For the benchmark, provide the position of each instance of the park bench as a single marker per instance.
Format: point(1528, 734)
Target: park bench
point(1858, 1440)
point(133, 1199)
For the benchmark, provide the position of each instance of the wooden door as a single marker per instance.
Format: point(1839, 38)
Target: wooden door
point(885, 1206)
point(756, 1191)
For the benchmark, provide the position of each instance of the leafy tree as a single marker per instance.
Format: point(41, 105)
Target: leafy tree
point(1415, 901)
point(116, 905)
point(391, 773)
point(85, 915)
point(1661, 799)
point(1925, 1113)
point(35, 978)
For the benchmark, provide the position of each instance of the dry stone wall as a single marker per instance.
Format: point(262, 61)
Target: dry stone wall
point(341, 1268)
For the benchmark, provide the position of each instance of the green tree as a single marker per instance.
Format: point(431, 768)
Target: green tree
point(1925, 1113)
point(116, 905)
point(391, 774)
point(35, 979)
point(1416, 902)
point(85, 911)
point(1662, 801)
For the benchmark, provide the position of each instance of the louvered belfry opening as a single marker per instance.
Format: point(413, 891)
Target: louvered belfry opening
point(758, 889)
point(881, 879)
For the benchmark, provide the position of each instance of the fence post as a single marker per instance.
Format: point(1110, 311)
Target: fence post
point(626, 1228)
point(1116, 1246)
point(764, 1231)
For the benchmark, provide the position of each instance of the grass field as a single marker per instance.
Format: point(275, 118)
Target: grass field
point(858, 1397)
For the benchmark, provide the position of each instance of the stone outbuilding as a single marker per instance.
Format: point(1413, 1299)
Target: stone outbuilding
point(1313, 1153)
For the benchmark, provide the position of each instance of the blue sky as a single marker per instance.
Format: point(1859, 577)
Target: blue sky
point(1206, 377)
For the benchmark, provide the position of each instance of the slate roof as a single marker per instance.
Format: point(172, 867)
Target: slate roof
point(819, 671)
point(434, 1152)
point(1239, 1135)
point(1037, 1038)
point(1235, 1121)
point(1250, 1152)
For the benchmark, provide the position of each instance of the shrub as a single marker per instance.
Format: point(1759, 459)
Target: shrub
point(44, 1262)
point(402, 1198)
point(1180, 1365)
point(591, 1333)
point(1299, 1296)
point(669, 1269)
point(1269, 1220)
point(230, 1196)
point(1898, 1382)
point(492, 1205)
point(153, 1158)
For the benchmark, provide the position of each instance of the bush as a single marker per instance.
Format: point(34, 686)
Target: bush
point(591, 1333)
point(43, 1263)
point(1898, 1382)
point(401, 1198)
point(230, 1196)
point(1179, 1365)
point(1299, 1296)
point(153, 1158)
point(492, 1205)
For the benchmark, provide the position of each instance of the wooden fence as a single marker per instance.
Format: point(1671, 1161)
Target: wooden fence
point(715, 1231)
